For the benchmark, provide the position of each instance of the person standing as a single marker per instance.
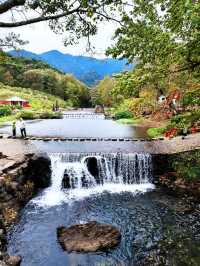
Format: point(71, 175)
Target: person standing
point(184, 132)
point(22, 126)
point(14, 128)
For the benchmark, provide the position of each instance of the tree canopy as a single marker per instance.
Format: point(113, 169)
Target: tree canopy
point(161, 33)
point(12, 40)
point(78, 17)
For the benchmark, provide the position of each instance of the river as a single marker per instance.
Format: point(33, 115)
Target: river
point(80, 124)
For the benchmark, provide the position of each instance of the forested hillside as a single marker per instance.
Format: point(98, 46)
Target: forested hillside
point(87, 69)
point(30, 73)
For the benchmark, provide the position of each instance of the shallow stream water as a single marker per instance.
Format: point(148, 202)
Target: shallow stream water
point(157, 229)
point(150, 221)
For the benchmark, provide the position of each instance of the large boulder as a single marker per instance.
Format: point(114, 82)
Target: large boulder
point(13, 260)
point(66, 181)
point(92, 166)
point(38, 170)
point(99, 109)
point(89, 237)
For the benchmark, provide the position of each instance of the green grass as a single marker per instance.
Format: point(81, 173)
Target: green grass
point(155, 131)
point(5, 119)
point(129, 121)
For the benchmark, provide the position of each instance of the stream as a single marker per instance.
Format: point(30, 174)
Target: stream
point(109, 187)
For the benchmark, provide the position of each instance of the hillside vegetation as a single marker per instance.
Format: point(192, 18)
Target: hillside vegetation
point(87, 69)
point(134, 95)
point(38, 100)
point(41, 104)
point(30, 73)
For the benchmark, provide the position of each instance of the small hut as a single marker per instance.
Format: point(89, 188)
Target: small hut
point(15, 100)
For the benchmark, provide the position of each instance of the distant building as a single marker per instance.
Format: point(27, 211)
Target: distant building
point(16, 101)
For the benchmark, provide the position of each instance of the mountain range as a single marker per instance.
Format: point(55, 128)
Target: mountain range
point(87, 69)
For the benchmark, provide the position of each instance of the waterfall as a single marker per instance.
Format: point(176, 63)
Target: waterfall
point(77, 175)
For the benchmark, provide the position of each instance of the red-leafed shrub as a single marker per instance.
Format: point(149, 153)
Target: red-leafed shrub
point(193, 130)
point(172, 132)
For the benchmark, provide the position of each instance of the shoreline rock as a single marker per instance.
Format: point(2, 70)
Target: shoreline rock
point(20, 180)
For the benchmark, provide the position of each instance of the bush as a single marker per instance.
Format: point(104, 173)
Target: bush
point(27, 115)
point(5, 110)
point(123, 114)
point(141, 106)
point(185, 120)
point(31, 115)
point(191, 98)
point(155, 132)
point(17, 106)
point(50, 115)
point(187, 165)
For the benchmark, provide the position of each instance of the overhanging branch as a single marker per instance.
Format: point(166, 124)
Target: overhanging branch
point(9, 4)
point(51, 17)
point(35, 20)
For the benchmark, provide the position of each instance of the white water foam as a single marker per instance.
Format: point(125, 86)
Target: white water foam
point(76, 167)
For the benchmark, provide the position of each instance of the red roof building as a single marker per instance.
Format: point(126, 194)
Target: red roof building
point(16, 101)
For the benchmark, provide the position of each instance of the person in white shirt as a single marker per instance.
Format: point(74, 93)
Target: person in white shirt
point(161, 99)
point(22, 127)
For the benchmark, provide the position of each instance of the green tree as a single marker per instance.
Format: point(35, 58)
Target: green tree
point(162, 33)
point(127, 84)
point(101, 94)
point(12, 40)
point(75, 91)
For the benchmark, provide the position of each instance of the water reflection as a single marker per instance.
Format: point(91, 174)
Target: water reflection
point(84, 127)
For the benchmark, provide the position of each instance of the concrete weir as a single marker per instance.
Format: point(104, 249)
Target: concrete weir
point(81, 139)
point(153, 146)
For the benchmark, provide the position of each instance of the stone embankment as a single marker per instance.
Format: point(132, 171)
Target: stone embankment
point(22, 175)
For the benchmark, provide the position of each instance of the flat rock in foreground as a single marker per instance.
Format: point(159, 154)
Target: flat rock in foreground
point(89, 237)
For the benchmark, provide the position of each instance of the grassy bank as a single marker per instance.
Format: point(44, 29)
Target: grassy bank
point(129, 121)
point(8, 118)
point(156, 131)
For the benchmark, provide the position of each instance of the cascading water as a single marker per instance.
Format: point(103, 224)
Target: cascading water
point(78, 175)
